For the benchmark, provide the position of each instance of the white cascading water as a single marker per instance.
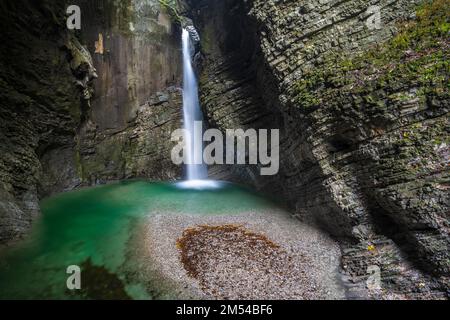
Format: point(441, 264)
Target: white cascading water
point(195, 168)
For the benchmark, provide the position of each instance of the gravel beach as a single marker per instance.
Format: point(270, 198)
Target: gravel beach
point(251, 255)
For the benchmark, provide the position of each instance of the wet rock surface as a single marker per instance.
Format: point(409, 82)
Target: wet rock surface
point(40, 104)
point(77, 113)
point(362, 151)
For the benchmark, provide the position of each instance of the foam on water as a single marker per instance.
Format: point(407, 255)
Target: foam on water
point(201, 184)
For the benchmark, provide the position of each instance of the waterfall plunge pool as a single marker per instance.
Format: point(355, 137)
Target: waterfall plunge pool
point(92, 228)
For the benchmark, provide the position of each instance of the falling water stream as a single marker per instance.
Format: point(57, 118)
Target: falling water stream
point(92, 228)
point(195, 168)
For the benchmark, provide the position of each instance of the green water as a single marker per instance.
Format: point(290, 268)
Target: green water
point(95, 225)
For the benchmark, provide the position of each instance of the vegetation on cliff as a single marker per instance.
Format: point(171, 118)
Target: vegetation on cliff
point(171, 7)
point(418, 55)
point(393, 99)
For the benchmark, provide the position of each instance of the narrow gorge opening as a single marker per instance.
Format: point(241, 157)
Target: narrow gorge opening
point(88, 180)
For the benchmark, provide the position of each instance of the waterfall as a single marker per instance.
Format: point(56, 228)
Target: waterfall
point(192, 114)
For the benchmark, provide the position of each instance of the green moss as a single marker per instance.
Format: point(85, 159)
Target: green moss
point(416, 57)
point(171, 7)
point(306, 87)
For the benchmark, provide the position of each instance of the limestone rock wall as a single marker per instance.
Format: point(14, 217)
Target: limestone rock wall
point(83, 107)
point(40, 106)
point(367, 160)
point(141, 150)
point(364, 145)
point(140, 56)
point(137, 101)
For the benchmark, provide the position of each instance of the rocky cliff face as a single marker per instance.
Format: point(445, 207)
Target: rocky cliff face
point(137, 101)
point(364, 114)
point(85, 107)
point(40, 105)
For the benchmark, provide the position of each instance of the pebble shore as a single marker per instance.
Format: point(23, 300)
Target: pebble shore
point(252, 255)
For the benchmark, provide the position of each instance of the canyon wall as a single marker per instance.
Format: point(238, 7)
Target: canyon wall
point(137, 101)
point(83, 107)
point(363, 114)
point(364, 119)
